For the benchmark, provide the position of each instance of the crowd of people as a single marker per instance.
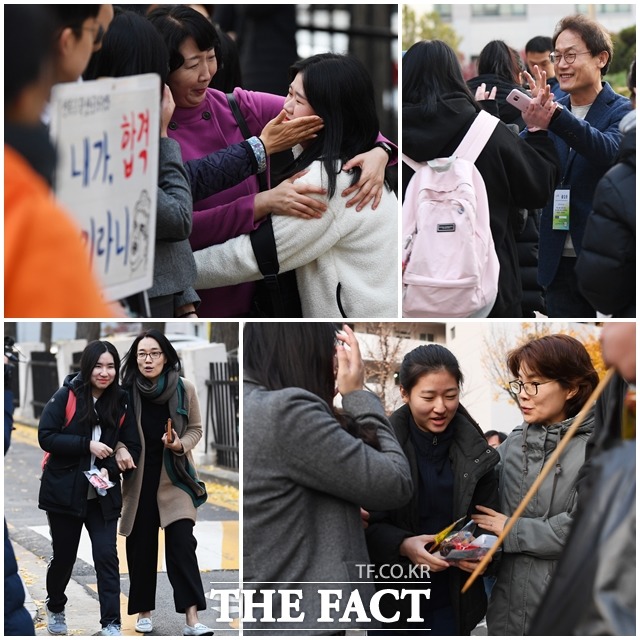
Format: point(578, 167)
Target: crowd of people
point(309, 468)
point(208, 190)
point(559, 175)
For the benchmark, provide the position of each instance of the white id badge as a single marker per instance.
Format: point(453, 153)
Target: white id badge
point(561, 210)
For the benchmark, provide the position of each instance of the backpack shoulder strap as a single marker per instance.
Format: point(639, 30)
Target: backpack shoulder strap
point(411, 163)
point(70, 408)
point(477, 136)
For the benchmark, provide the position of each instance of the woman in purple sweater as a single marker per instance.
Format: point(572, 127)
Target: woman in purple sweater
point(203, 122)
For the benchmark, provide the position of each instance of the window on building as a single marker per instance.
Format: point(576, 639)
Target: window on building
point(427, 337)
point(484, 10)
point(605, 8)
point(443, 10)
point(452, 333)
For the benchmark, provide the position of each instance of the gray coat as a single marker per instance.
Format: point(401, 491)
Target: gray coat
point(305, 479)
point(532, 548)
point(174, 269)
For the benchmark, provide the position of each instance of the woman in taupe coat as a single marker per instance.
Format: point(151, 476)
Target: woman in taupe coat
point(164, 490)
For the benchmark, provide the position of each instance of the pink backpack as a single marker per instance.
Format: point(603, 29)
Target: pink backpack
point(449, 262)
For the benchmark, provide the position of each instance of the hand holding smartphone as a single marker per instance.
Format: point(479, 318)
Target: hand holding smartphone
point(519, 99)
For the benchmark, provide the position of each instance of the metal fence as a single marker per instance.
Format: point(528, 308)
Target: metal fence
point(369, 31)
point(222, 414)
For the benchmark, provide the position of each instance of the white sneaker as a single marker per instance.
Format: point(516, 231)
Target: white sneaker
point(112, 629)
point(144, 625)
point(198, 629)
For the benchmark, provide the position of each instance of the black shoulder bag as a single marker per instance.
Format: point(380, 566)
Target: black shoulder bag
point(276, 295)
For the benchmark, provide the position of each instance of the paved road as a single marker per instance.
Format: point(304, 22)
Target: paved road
point(216, 531)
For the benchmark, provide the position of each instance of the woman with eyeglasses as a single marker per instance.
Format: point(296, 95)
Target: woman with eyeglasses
point(82, 425)
point(554, 377)
point(164, 491)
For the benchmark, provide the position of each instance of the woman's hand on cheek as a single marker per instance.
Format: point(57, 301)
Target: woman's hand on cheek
point(281, 134)
point(350, 366)
point(371, 183)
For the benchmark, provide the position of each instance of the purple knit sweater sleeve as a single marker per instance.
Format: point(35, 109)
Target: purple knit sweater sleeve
point(210, 127)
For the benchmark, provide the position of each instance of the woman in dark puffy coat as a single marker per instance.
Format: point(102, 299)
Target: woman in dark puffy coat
point(437, 111)
point(606, 266)
point(79, 429)
point(453, 469)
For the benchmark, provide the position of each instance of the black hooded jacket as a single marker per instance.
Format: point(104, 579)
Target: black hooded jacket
point(64, 487)
point(606, 266)
point(517, 173)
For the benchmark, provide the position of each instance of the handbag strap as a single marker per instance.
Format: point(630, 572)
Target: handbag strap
point(263, 242)
point(244, 130)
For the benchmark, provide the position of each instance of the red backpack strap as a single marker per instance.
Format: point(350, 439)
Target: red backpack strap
point(70, 409)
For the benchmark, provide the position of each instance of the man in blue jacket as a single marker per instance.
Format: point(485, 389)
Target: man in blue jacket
point(584, 126)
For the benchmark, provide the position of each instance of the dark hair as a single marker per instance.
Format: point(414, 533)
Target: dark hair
point(538, 44)
point(501, 60)
point(501, 436)
point(562, 358)
point(130, 367)
point(73, 16)
point(595, 37)
point(28, 33)
point(340, 90)
point(131, 46)
point(110, 398)
point(427, 359)
point(176, 23)
point(280, 355)
point(631, 79)
point(430, 69)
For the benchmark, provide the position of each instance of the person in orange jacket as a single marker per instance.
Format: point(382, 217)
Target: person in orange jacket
point(46, 268)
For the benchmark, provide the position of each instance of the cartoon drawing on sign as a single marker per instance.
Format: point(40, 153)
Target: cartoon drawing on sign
point(140, 234)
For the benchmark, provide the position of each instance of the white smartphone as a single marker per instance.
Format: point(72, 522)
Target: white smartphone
point(519, 99)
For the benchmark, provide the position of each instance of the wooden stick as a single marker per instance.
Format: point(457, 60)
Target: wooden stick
point(543, 474)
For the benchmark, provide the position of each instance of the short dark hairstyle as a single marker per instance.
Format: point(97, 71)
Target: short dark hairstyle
point(130, 47)
point(431, 69)
point(28, 34)
point(491, 433)
point(110, 398)
point(72, 16)
point(427, 359)
point(499, 59)
point(562, 358)
point(595, 36)
point(130, 367)
point(340, 90)
point(538, 44)
point(176, 23)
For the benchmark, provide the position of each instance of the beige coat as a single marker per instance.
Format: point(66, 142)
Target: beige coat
point(173, 503)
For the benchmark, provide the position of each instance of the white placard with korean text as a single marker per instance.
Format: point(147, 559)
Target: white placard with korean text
point(107, 137)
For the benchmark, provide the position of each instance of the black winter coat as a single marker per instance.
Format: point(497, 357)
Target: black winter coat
point(528, 240)
point(475, 482)
point(606, 266)
point(517, 173)
point(63, 485)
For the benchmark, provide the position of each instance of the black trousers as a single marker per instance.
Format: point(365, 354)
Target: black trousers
point(65, 538)
point(180, 553)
